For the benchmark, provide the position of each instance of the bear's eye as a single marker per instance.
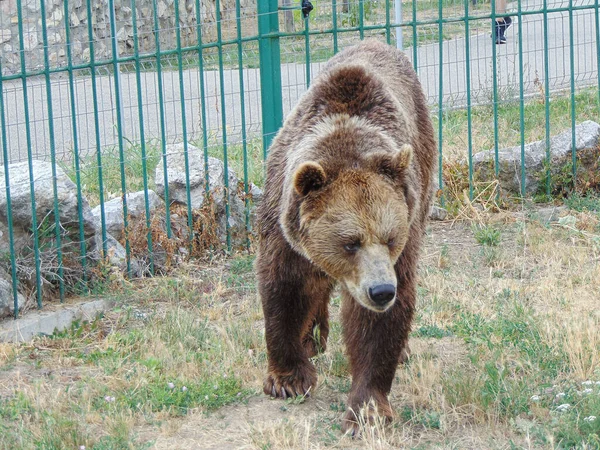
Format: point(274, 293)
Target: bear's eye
point(391, 242)
point(352, 247)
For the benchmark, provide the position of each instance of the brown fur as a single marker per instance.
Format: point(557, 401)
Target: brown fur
point(348, 190)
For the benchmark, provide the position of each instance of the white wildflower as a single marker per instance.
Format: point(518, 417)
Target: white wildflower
point(587, 391)
point(171, 385)
point(560, 395)
point(563, 407)
point(535, 398)
point(589, 419)
point(82, 447)
point(587, 383)
point(183, 389)
point(206, 397)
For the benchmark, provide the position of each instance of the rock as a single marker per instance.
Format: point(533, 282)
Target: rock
point(256, 193)
point(54, 38)
point(30, 39)
point(116, 255)
point(162, 9)
point(32, 5)
point(75, 19)
point(7, 302)
point(44, 197)
point(136, 207)
point(5, 36)
point(56, 18)
point(509, 160)
point(550, 214)
point(197, 186)
point(437, 213)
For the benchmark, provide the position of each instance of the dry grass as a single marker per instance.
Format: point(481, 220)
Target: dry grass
point(497, 324)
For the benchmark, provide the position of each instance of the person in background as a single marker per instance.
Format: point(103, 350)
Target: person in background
point(502, 23)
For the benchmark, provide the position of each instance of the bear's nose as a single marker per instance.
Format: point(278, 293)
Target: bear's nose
point(382, 293)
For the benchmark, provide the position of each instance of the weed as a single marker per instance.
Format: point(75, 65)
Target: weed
point(431, 331)
point(486, 235)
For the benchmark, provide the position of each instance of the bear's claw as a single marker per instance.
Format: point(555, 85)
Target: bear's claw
point(289, 386)
point(369, 413)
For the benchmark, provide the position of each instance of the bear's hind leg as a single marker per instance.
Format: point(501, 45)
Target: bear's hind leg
point(315, 338)
point(291, 290)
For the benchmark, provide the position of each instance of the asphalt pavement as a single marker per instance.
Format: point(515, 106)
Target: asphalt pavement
point(526, 36)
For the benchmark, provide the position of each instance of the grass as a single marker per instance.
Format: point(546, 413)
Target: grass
point(147, 361)
point(493, 357)
point(455, 123)
point(134, 168)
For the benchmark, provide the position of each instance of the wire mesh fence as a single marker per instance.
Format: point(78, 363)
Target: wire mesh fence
point(121, 97)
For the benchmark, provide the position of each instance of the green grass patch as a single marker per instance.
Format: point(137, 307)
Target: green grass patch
point(486, 235)
point(584, 203)
point(431, 331)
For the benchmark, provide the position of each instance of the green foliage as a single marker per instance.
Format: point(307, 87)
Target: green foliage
point(487, 235)
point(589, 202)
point(431, 331)
point(158, 395)
point(423, 417)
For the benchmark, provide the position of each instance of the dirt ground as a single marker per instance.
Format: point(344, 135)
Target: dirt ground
point(484, 344)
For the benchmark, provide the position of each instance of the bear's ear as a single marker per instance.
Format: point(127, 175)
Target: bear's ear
point(404, 157)
point(309, 177)
point(392, 167)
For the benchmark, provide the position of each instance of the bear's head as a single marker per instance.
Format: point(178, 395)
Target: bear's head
point(354, 219)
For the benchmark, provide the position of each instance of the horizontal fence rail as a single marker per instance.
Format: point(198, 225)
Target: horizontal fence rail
point(134, 133)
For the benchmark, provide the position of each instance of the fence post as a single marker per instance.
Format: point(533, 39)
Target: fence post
point(270, 70)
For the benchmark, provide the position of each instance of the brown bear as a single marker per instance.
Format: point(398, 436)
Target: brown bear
point(348, 190)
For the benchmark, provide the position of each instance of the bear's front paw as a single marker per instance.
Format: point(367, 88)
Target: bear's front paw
point(371, 413)
point(298, 383)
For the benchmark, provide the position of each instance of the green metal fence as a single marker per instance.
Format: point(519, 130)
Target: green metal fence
point(110, 92)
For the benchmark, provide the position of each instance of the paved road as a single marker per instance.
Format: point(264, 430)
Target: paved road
point(294, 80)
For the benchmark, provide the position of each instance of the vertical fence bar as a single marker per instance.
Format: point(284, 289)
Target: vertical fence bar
point(573, 114)
point(270, 70)
point(521, 100)
point(398, 28)
point(415, 35)
point(202, 96)
point(388, 28)
point(9, 219)
point(184, 124)
point(307, 48)
point(335, 25)
point(97, 129)
point(163, 137)
point(547, 98)
point(57, 226)
point(495, 89)
point(34, 224)
point(597, 21)
point(361, 19)
point(238, 14)
point(223, 123)
point(82, 244)
point(441, 100)
point(118, 101)
point(138, 81)
point(468, 87)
